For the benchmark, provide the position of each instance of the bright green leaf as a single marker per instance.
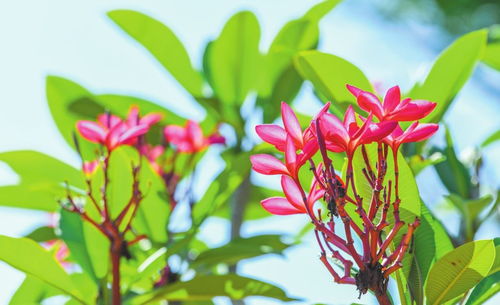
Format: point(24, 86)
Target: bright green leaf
point(29, 257)
point(329, 74)
point(163, 44)
point(234, 58)
point(485, 290)
point(209, 286)
point(491, 139)
point(32, 292)
point(459, 271)
point(450, 72)
point(239, 249)
point(88, 247)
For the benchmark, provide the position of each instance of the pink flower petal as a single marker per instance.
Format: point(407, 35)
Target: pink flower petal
point(272, 134)
point(350, 123)
point(419, 133)
point(354, 90)
point(195, 134)
point(279, 206)
point(131, 134)
point(392, 99)
point(268, 165)
point(133, 116)
point(216, 139)
point(292, 125)
point(91, 131)
point(108, 120)
point(175, 134)
point(151, 119)
point(412, 111)
point(290, 155)
point(322, 111)
point(370, 103)
point(333, 130)
point(292, 192)
point(378, 131)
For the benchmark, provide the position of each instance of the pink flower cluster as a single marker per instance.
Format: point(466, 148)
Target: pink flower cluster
point(111, 132)
point(326, 134)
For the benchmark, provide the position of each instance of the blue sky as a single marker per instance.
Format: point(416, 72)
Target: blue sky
point(75, 39)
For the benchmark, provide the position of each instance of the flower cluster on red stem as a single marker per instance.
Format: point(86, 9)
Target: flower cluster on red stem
point(111, 132)
point(327, 134)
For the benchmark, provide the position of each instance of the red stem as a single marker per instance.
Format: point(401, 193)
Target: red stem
point(383, 299)
point(115, 265)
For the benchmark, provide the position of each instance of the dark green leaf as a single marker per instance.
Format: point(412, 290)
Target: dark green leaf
point(485, 290)
point(163, 44)
point(453, 173)
point(42, 234)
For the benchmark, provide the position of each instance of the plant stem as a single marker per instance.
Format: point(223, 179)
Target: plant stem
point(383, 299)
point(115, 265)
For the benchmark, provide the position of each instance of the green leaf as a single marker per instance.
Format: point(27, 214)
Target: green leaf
point(279, 80)
point(410, 199)
point(485, 290)
point(239, 249)
point(329, 75)
point(449, 73)
point(234, 59)
point(163, 44)
point(207, 287)
point(29, 257)
point(154, 210)
point(42, 234)
point(430, 243)
point(32, 292)
point(459, 271)
point(453, 173)
point(491, 139)
point(88, 246)
point(39, 188)
point(69, 102)
point(417, 163)
point(491, 55)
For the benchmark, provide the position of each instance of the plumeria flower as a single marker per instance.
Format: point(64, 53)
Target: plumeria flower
point(415, 133)
point(270, 165)
point(190, 139)
point(292, 203)
point(347, 135)
point(112, 131)
point(277, 135)
point(90, 167)
point(60, 250)
point(392, 109)
point(152, 153)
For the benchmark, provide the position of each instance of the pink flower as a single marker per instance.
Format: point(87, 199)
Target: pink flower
point(152, 153)
point(347, 135)
point(190, 139)
point(393, 109)
point(111, 131)
point(270, 165)
point(292, 203)
point(276, 135)
point(415, 133)
point(90, 167)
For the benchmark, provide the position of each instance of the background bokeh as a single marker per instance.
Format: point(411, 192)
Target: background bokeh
point(75, 39)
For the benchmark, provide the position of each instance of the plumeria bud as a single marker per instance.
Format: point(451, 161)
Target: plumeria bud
point(90, 167)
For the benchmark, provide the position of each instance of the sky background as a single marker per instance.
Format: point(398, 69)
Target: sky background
point(75, 39)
